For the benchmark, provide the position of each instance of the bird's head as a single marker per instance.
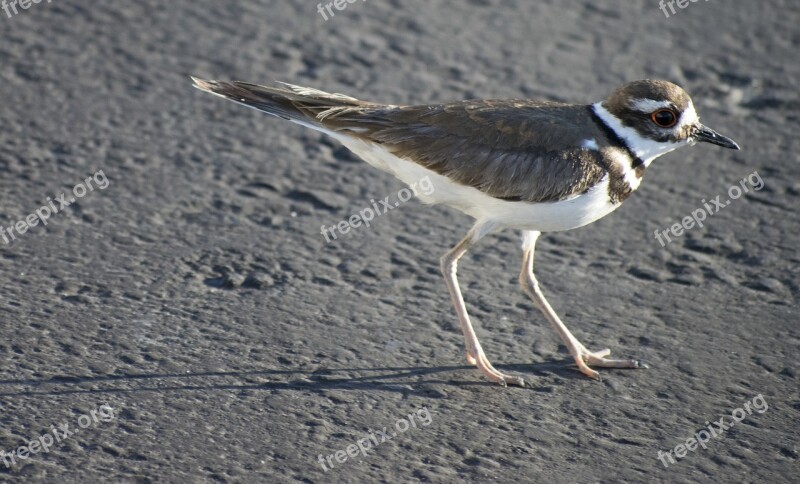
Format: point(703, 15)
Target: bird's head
point(660, 117)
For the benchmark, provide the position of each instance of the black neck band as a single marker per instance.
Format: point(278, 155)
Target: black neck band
point(612, 136)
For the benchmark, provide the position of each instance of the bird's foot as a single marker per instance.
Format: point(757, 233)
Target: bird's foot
point(491, 373)
point(598, 358)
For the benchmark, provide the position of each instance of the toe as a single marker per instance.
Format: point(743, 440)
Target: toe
point(592, 374)
point(588, 371)
point(594, 356)
point(602, 353)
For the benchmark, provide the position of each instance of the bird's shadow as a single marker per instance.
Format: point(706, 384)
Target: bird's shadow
point(406, 380)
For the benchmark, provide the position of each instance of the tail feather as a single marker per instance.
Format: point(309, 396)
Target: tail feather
point(303, 105)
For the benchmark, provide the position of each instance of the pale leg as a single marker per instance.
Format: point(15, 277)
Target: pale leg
point(475, 354)
point(583, 357)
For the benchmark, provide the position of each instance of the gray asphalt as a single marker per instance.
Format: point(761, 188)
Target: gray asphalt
point(185, 321)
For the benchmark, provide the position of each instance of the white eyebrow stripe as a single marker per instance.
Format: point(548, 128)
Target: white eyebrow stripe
point(648, 105)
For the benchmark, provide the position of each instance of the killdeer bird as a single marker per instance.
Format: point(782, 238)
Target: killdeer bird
point(519, 164)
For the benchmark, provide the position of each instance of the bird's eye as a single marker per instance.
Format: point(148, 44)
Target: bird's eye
point(665, 118)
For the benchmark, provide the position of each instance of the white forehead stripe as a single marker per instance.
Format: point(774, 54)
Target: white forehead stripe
point(648, 105)
point(689, 116)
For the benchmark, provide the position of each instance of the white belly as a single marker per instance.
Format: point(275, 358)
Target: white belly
point(543, 217)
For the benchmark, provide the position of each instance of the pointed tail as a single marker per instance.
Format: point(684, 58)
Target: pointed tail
point(302, 105)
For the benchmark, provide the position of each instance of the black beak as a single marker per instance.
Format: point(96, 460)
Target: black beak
point(708, 135)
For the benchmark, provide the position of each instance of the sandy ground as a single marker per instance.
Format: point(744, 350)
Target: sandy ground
point(188, 322)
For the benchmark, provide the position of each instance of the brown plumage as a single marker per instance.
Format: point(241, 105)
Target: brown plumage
point(496, 146)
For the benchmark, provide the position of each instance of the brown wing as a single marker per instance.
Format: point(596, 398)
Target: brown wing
point(516, 150)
